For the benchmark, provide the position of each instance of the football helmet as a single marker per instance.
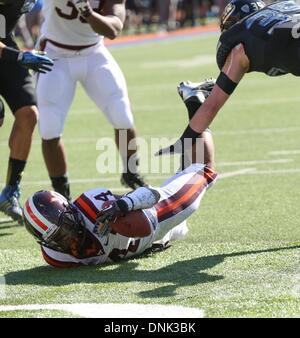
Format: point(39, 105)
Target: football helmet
point(236, 10)
point(54, 222)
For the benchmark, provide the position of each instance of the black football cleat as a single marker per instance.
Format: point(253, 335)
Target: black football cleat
point(194, 94)
point(133, 181)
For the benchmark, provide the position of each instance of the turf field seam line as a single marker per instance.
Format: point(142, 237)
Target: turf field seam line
point(284, 152)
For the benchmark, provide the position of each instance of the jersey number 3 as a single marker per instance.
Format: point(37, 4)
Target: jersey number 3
point(72, 15)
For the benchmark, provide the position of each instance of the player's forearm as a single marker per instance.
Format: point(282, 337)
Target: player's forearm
point(110, 26)
point(141, 198)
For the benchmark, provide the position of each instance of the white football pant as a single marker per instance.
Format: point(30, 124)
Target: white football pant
point(99, 75)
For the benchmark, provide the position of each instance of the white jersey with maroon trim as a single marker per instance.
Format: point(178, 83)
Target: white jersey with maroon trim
point(63, 24)
point(110, 248)
point(180, 198)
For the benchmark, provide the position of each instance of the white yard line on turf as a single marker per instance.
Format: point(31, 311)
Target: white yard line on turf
point(257, 131)
point(5, 220)
point(284, 152)
point(275, 172)
point(113, 310)
point(241, 163)
point(237, 173)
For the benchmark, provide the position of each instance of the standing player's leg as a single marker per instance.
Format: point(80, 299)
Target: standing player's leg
point(18, 92)
point(106, 86)
point(181, 195)
point(129, 154)
point(193, 95)
point(55, 92)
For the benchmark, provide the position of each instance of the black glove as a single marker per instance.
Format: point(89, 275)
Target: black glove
point(111, 212)
point(187, 139)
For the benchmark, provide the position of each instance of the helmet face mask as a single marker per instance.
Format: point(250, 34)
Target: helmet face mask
point(237, 10)
point(70, 235)
point(55, 223)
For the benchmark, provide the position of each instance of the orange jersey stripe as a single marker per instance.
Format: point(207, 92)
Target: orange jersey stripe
point(87, 208)
point(194, 188)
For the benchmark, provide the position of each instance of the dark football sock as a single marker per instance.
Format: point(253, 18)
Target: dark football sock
point(131, 164)
point(62, 186)
point(192, 105)
point(15, 171)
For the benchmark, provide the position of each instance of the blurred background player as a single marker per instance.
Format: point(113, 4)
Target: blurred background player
point(72, 34)
point(17, 90)
point(28, 27)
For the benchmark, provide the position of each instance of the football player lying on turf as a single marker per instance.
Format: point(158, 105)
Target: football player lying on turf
point(100, 227)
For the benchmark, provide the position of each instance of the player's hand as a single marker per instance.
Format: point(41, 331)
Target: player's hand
point(83, 7)
point(36, 60)
point(184, 144)
point(109, 213)
point(175, 148)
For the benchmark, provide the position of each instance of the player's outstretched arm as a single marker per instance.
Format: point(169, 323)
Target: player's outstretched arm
point(111, 20)
point(235, 67)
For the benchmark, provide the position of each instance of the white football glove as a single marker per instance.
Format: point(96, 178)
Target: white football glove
point(83, 7)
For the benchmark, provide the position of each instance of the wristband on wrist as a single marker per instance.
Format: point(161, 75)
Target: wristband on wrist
point(11, 55)
point(226, 84)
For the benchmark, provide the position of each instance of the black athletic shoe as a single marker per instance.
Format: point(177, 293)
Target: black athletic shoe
point(194, 94)
point(133, 181)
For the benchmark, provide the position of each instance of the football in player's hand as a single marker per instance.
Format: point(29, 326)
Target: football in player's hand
point(134, 224)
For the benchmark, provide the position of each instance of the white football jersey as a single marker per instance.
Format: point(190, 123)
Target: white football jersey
point(63, 24)
point(109, 248)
